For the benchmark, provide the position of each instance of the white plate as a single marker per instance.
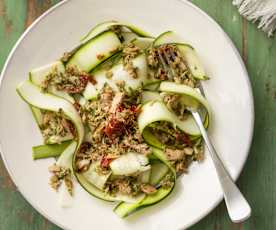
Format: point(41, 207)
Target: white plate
point(228, 91)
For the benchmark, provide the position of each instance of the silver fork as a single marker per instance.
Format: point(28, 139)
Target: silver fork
point(237, 206)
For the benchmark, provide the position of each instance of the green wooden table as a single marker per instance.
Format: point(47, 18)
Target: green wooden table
point(258, 179)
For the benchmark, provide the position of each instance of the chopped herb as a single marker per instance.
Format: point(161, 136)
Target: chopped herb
point(72, 81)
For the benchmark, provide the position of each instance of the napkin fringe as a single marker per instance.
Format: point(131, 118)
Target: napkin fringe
point(261, 11)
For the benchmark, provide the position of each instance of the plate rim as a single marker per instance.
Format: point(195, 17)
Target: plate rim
point(229, 41)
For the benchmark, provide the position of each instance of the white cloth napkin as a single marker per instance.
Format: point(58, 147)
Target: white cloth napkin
point(261, 11)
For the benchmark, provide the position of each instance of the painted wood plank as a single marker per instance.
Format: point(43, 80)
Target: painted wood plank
point(12, 15)
point(36, 7)
point(258, 180)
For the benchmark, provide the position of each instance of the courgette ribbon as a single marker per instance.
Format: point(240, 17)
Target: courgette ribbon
point(156, 110)
point(99, 28)
point(33, 95)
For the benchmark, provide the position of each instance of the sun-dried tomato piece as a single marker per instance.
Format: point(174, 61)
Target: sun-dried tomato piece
point(114, 128)
point(105, 162)
point(183, 138)
point(77, 106)
point(92, 80)
point(136, 109)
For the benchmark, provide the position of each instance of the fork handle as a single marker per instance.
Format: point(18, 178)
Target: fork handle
point(237, 206)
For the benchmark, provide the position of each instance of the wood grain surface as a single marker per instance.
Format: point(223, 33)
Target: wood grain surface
point(258, 179)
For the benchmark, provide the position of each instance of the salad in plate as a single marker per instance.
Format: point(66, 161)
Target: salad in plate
point(114, 118)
